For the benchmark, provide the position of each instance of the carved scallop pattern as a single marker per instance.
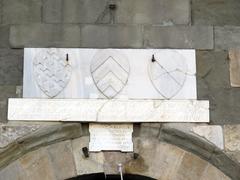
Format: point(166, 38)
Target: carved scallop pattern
point(110, 71)
point(52, 71)
point(168, 73)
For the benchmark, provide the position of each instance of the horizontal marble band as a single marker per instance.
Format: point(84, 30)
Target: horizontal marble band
point(105, 110)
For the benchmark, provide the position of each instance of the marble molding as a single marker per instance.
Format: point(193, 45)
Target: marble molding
point(132, 75)
point(104, 110)
point(114, 137)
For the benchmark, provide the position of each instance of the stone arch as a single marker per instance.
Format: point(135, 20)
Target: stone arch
point(160, 147)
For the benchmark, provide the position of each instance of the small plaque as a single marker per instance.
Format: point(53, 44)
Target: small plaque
point(114, 137)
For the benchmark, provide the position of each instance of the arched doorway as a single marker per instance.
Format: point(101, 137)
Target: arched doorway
point(102, 176)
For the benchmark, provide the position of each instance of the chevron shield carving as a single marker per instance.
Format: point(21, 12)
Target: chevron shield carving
point(110, 71)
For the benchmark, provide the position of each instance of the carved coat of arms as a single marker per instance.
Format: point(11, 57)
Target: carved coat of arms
point(110, 71)
point(168, 71)
point(52, 71)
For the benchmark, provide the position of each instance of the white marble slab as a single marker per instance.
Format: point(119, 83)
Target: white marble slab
point(114, 137)
point(171, 76)
point(104, 110)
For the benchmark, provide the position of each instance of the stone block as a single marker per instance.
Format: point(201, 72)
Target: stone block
point(11, 67)
point(191, 167)
point(37, 165)
point(74, 11)
point(4, 36)
point(3, 111)
point(227, 37)
point(5, 93)
point(156, 159)
point(212, 172)
point(92, 164)
point(10, 133)
point(52, 11)
point(104, 110)
point(214, 134)
point(44, 35)
point(113, 161)
point(234, 67)
point(112, 36)
point(149, 130)
point(162, 12)
point(232, 137)
point(62, 160)
point(21, 11)
point(196, 37)
point(213, 84)
point(218, 12)
point(12, 172)
point(225, 163)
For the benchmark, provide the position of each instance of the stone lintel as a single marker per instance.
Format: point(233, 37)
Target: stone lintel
point(104, 110)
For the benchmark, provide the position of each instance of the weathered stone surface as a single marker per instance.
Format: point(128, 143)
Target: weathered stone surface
point(223, 161)
point(232, 137)
point(12, 172)
point(127, 12)
point(213, 84)
point(103, 36)
point(197, 37)
point(234, 155)
point(159, 161)
point(37, 165)
point(179, 134)
point(45, 136)
point(212, 172)
point(21, 11)
point(52, 11)
point(218, 12)
point(108, 110)
point(156, 159)
point(234, 67)
point(113, 161)
point(62, 161)
point(10, 133)
point(44, 35)
point(161, 12)
point(6, 92)
point(92, 164)
point(4, 36)
point(149, 130)
point(227, 37)
point(3, 111)
point(74, 11)
point(191, 167)
point(213, 134)
point(11, 67)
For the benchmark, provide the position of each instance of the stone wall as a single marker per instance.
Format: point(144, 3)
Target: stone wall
point(65, 160)
point(210, 27)
point(157, 155)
